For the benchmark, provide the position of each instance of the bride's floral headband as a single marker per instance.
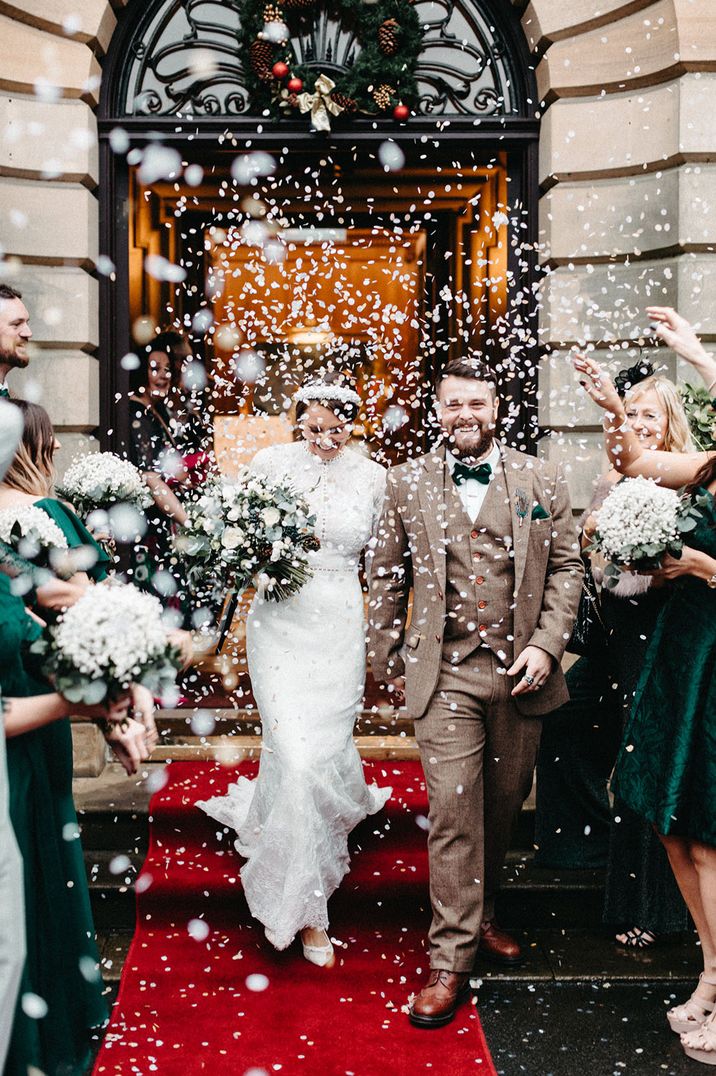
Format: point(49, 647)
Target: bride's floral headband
point(317, 390)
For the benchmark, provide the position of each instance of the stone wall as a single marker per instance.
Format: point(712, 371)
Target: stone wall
point(628, 188)
point(627, 172)
point(49, 220)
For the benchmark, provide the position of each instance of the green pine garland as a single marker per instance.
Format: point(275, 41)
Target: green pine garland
point(371, 70)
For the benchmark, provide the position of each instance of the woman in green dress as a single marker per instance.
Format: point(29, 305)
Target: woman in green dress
point(61, 989)
point(29, 481)
point(666, 770)
point(61, 973)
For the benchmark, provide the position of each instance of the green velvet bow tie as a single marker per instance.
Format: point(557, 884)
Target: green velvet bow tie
point(4, 393)
point(461, 472)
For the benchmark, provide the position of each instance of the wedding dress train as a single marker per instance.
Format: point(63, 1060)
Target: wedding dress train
point(307, 664)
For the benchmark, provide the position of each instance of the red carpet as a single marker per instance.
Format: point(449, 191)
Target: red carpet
point(189, 1003)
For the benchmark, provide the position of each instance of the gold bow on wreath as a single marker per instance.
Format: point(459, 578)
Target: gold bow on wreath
point(320, 104)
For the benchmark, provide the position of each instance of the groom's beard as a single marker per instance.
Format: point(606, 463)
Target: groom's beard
point(470, 441)
point(18, 358)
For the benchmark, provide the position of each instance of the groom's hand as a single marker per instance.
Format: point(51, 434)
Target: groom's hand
point(533, 666)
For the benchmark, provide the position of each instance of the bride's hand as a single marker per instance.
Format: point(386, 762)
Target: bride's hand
point(598, 385)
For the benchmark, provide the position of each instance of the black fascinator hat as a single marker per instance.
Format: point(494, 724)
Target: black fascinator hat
point(627, 379)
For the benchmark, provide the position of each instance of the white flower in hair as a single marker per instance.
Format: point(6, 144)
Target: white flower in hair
point(319, 390)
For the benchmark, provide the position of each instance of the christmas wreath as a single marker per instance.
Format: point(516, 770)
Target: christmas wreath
point(376, 78)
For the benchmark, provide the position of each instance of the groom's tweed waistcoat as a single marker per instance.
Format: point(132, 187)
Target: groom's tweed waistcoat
point(480, 574)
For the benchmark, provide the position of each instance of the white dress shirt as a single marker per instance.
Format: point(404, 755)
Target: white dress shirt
point(473, 493)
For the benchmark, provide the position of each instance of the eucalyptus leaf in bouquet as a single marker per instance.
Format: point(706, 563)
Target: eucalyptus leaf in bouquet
point(251, 530)
point(112, 637)
point(639, 523)
point(701, 412)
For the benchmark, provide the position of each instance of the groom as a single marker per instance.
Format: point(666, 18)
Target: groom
point(484, 536)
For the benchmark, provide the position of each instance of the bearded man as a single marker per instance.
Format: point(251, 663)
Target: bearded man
point(15, 334)
point(485, 538)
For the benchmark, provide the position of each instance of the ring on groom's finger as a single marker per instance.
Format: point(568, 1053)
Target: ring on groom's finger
point(530, 679)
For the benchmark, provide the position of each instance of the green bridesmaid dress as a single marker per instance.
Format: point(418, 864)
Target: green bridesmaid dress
point(76, 534)
point(666, 770)
point(61, 990)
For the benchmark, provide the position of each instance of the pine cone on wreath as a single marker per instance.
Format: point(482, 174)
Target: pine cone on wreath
point(298, 5)
point(261, 53)
point(383, 96)
point(346, 103)
point(388, 37)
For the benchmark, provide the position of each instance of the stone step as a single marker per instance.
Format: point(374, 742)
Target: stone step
point(551, 955)
point(530, 896)
point(113, 809)
point(230, 750)
point(243, 721)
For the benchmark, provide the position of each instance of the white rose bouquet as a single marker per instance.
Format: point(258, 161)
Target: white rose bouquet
point(112, 637)
point(33, 535)
point(99, 481)
point(251, 530)
point(638, 523)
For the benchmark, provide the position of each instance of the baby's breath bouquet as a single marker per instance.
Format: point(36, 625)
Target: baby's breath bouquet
point(34, 536)
point(638, 523)
point(101, 480)
point(251, 530)
point(112, 637)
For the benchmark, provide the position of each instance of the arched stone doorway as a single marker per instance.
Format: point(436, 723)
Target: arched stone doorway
point(446, 242)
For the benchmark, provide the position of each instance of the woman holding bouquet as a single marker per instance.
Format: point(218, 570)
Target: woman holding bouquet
point(580, 741)
point(666, 769)
point(307, 659)
point(29, 481)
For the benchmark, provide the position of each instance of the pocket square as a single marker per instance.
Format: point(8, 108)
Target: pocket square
point(538, 512)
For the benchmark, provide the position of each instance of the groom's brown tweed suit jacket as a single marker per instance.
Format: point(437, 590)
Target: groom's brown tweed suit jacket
point(543, 561)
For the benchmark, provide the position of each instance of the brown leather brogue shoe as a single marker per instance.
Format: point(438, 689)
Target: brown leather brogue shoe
point(498, 945)
point(437, 1002)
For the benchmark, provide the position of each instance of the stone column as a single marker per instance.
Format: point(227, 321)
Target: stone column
point(49, 86)
point(627, 189)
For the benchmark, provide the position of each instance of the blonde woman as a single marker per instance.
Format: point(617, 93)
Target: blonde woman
point(666, 770)
point(576, 826)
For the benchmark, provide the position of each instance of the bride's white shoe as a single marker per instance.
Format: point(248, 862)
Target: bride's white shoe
point(323, 956)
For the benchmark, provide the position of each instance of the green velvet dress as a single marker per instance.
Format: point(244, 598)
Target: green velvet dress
point(76, 534)
point(62, 965)
point(666, 770)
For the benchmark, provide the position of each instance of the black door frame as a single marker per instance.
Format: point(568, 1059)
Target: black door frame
point(424, 139)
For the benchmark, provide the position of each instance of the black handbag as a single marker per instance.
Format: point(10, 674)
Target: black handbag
point(589, 633)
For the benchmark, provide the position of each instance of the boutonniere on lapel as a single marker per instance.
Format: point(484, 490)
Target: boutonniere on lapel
point(522, 505)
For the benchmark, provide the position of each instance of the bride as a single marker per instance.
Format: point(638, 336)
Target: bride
point(306, 659)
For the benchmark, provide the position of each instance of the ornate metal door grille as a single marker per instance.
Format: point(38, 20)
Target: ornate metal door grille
point(182, 60)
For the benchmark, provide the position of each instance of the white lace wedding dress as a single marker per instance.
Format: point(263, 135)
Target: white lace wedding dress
point(307, 665)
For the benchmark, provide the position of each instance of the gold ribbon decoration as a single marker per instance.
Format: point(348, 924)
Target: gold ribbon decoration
point(320, 104)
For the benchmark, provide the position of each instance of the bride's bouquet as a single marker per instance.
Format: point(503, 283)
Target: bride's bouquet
point(101, 480)
point(253, 530)
point(112, 637)
point(638, 523)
